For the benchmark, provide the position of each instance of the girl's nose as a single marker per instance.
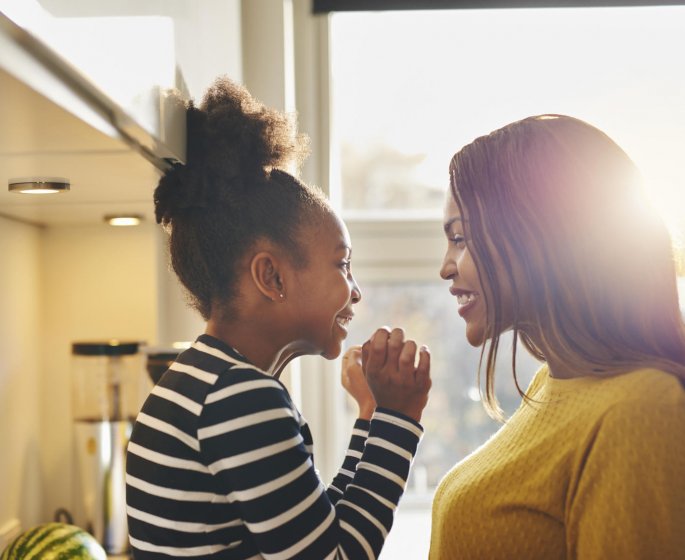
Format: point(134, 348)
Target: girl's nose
point(356, 292)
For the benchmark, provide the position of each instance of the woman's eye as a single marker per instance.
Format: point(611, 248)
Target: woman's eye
point(459, 240)
point(346, 265)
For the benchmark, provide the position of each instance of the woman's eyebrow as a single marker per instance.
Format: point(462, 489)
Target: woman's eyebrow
point(448, 224)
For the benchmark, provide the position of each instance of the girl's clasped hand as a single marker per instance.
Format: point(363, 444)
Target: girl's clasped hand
point(385, 372)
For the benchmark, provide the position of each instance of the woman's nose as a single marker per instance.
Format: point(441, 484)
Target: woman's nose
point(448, 268)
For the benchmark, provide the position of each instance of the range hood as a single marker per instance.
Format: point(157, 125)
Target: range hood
point(56, 121)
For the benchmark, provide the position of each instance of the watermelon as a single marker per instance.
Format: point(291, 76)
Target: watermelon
point(53, 541)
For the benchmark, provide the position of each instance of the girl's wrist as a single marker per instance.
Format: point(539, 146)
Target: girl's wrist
point(366, 412)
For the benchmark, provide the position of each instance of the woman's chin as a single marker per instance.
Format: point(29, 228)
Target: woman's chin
point(475, 336)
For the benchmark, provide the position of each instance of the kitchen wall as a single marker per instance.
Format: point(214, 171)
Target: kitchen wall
point(59, 285)
point(20, 327)
point(97, 282)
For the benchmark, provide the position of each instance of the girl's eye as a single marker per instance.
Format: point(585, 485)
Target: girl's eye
point(346, 265)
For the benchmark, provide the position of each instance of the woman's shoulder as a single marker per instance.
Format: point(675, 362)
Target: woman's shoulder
point(649, 401)
point(631, 396)
point(650, 386)
point(637, 384)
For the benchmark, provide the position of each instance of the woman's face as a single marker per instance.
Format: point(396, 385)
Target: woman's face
point(325, 289)
point(459, 268)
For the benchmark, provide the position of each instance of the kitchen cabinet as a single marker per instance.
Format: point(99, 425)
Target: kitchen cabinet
point(55, 121)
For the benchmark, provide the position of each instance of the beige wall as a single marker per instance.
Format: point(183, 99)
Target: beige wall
point(20, 485)
point(98, 282)
point(58, 285)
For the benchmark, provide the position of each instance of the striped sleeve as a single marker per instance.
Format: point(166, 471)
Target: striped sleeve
point(260, 457)
point(345, 474)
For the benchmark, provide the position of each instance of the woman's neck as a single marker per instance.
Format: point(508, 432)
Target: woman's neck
point(557, 368)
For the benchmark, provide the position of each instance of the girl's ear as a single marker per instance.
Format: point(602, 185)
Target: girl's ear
point(266, 273)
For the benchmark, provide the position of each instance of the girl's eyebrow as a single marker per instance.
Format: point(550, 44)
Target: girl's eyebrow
point(344, 247)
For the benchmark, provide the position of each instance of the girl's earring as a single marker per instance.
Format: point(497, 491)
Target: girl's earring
point(281, 296)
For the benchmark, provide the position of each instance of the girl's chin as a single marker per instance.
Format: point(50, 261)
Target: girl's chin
point(332, 353)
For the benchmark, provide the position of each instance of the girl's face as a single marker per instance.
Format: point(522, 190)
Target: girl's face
point(325, 289)
point(459, 268)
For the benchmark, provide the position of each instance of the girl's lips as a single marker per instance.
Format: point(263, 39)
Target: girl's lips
point(343, 321)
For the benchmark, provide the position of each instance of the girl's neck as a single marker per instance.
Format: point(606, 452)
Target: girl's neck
point(260, 344)
point(256, 347)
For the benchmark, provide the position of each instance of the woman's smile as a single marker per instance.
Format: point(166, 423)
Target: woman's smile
point(466, 300)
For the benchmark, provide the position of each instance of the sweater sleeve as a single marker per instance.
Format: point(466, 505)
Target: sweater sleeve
point(360, 432)
point(629, 502)
point(259, 460)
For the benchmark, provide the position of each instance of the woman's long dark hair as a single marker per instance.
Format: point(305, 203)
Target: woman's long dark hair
point(559, 206)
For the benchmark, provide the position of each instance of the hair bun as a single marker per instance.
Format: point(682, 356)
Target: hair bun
point(233, 142)
point(234, 129)
point(177, 192)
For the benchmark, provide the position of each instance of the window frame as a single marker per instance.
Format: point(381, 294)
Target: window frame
point(328, 6)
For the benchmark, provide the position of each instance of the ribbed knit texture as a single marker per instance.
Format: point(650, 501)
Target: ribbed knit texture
point(220, 465)
point(593, 469)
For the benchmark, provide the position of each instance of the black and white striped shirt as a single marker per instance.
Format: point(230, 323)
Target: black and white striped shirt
point(220, 465)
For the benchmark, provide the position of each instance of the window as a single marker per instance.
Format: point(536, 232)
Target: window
point(409, 89)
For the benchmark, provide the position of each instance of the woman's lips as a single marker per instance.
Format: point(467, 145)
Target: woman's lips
point(466, 300)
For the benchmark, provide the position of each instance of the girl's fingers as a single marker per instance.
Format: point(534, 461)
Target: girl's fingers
point(395, 346)
point(378, 349)
point(424, 367)
point(365, 355)
point(353, 354)
point(406, 359)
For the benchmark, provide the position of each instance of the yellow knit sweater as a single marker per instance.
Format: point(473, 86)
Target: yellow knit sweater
point(595, 469)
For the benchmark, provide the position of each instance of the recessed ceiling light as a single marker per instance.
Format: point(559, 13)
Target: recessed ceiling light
point(38, 185)
point(120, 220)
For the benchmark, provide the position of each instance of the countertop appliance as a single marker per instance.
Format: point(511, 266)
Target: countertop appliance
point(108, 388)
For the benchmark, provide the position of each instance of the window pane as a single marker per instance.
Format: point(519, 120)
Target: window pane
point(410, 88)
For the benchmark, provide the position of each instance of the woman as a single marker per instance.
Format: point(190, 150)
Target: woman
point(220, 460)
point(550, 236)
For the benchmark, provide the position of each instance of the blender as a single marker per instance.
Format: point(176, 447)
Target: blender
point(108, 389)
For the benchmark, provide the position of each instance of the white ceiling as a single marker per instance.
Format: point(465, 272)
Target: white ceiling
point(39, 138)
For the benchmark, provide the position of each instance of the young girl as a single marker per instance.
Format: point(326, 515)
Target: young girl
point(220, 460)
point(550, 236)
